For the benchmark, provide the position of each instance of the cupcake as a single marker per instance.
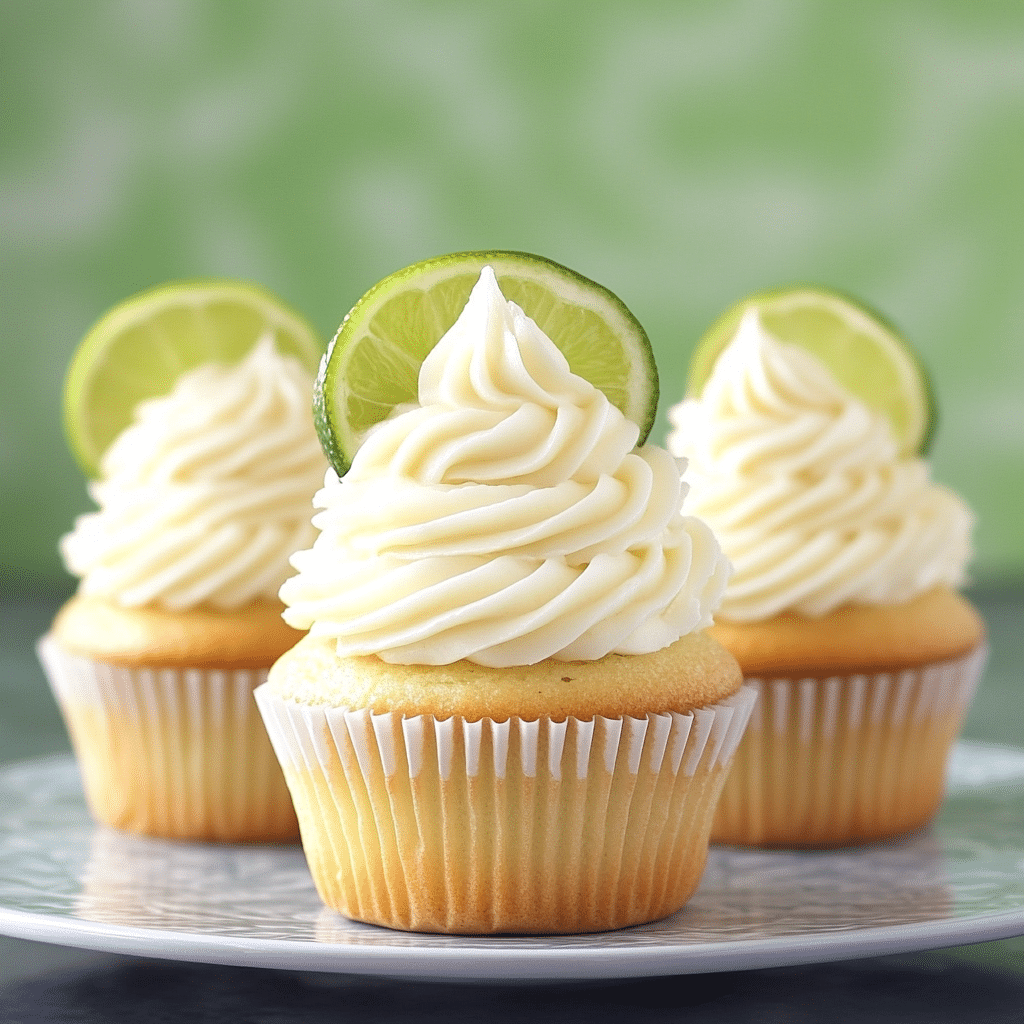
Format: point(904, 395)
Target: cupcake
point(507, 715)
point(176, 620)
point(842, 610)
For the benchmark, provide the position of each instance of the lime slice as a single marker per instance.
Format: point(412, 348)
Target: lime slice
point(140, 348)
point(373, 363)
point(864, 352)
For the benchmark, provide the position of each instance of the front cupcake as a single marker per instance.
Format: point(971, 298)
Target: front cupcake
point(202, 499)
point(506, 716)
point(842, 610)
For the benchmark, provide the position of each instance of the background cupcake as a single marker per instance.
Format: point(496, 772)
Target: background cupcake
point(803, 435)
point(506, 716)
point(203, 493)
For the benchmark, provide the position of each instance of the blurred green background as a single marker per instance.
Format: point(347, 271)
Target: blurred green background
point(682, 154)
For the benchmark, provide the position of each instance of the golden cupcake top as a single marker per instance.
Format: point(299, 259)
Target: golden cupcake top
point(694, 672)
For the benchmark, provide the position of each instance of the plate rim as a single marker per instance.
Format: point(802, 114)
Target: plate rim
point(504, 960)
point(527, 963)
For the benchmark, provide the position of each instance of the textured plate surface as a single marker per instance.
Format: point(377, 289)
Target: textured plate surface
point(64, 880)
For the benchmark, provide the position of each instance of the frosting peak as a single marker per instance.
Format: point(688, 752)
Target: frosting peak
point(505, 519)
point(498, 404)
point(803, 485)
point(206, 494)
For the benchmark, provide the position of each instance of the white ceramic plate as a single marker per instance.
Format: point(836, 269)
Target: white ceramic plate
point(64, 880)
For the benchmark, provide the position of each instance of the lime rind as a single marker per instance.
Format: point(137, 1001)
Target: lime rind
point(359, 384)
point(810, 316)
point(140, 347)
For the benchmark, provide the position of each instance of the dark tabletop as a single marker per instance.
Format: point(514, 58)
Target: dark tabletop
point(983, 983)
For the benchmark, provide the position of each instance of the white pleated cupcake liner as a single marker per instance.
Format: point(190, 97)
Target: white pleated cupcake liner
point(519, 825)
point(172, 752)
point(846, 759)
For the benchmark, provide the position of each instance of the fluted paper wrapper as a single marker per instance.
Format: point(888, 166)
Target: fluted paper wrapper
point(519, 826)
point(845, 760)
point(175, 753)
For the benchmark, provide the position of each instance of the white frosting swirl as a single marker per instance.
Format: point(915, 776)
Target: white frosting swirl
point(505, 519)
point(206, 494)
point(803, 486)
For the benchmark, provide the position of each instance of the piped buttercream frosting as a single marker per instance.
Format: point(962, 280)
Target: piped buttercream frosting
point(206, 494)
point(506, 518)
point(804, 487)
